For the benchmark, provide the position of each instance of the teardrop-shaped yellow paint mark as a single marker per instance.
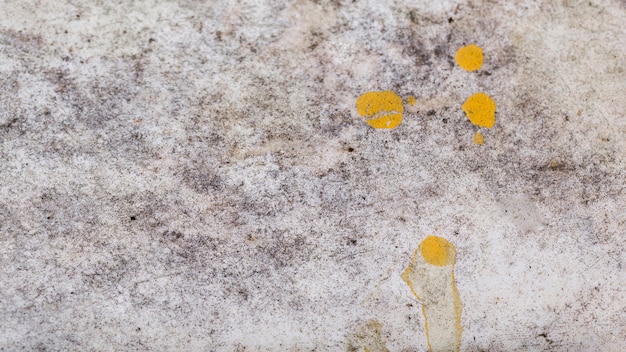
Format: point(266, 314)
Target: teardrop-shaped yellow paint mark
point(470, 57)
point(480, 109)
point(381, 109)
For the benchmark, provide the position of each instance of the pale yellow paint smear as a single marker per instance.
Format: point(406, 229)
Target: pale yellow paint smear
point(470, 57)
point(479, 138)
point(480, 109)
point(430, 277)
point(411, 100)
point(367, 337)
point(381, 109)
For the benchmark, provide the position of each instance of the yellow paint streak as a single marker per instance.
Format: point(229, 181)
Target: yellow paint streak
point(437, 251)
point(411, 100)
point(479, 138)
point(470, 57)
point(480, 109)
point(381, 109)
point(408, 272)
point(458, 309)
point(430, 348)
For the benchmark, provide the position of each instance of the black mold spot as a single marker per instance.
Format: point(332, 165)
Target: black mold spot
point(173, 234)
point(545, 336)
point(413, 45)
point(109, 272)
point(203, 179)
point(335, 120)
point(414, 16)
point(282, 250)
point(10, 123)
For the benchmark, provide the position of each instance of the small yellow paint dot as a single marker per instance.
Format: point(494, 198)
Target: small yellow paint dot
point(480, 110)
point(479, 138)
point(411, 100)
point(470, 57)
point(381, 109)
point(438, 251)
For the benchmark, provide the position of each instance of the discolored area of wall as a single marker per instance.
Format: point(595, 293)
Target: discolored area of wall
point(188, 175)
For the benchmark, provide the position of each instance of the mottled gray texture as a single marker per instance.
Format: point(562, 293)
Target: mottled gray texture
point(189, 175)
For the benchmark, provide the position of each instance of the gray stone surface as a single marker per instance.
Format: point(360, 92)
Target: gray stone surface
point(190, 175)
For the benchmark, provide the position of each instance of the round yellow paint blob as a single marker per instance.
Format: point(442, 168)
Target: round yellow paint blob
point(470, 57)
point(480, 110)
point(381, 109)
point(411, 100)
point(479, 138)
point(438, 251)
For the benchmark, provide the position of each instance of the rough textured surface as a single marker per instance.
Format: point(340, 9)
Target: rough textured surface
point(189, 175)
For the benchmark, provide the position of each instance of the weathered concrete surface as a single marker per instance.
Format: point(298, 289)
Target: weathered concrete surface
point(187, 175)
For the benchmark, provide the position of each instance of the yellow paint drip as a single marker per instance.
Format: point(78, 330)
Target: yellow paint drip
point(480, 109)
point(381, 109)
point(411, 100)
point(470, 57)
point(431, 279)
point(479, 138)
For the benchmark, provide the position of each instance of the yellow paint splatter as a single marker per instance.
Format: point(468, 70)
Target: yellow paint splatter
point(479, 138)
point(470, 57)
point(411, 100)
point(480, 109)
point(431, 279)
point(437, 251)
point(381, 109)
